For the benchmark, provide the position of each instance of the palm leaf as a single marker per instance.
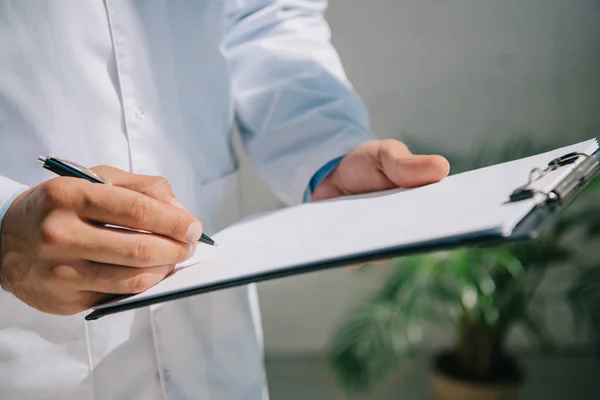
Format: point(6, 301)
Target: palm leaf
point(541, 253)
point(537, 329)
point(408, 271)
point(368, 346)
point(584, 300)
point(374, 339)
point(591, 221)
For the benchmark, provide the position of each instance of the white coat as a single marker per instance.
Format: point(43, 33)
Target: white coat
point(154, 87)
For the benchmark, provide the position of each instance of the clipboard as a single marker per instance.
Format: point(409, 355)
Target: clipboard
point(525, 204)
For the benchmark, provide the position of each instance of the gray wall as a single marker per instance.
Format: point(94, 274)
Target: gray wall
point(453, 73)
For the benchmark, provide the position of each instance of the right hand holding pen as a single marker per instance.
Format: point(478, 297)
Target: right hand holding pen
point(57, 256)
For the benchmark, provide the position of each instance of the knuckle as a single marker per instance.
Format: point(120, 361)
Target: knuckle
point(393, 142)
point(55, 233)
point(138, 209)
point(140, 282)
point(142, 253)
point(61, 192)
point(88, 202)
point(159, 183)
point(401, 146)
point(53, 193)
point(392, 147)
point(177, 223)
point(67, 273)
point(157, 186)
point(61, 272)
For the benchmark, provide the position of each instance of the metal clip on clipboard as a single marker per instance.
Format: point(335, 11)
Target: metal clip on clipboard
point(558, 198)
point(573, 183)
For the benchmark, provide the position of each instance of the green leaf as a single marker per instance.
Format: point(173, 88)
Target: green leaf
point(593, 225)
point(584, 300)
point(374, 339)
point(510, 311)
point(369, 346)
point(536, 328)
point(407, 273)
point(445, 293)
point(541, 253)
point(594, 185)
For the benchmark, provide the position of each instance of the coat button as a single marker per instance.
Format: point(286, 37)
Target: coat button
point(139, 114)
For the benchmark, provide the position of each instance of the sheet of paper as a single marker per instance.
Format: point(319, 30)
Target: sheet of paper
point(462, 205)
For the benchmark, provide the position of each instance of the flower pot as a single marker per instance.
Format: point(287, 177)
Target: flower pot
point(447, 388)
point(446, 385)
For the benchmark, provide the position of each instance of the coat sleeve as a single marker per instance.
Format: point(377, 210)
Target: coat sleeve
point(295, 108)
point(9, 190)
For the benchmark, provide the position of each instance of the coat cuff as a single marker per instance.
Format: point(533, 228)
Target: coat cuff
point(318, 161)
point(320, 176)
point(9, 191)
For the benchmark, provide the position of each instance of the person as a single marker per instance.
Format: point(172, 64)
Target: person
point(150, 92)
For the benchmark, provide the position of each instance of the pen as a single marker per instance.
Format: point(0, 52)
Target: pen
point(68, 168)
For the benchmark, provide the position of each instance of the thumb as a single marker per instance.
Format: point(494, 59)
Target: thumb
point(409, 170)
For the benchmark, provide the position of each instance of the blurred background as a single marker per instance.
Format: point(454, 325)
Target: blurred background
point(476, 80)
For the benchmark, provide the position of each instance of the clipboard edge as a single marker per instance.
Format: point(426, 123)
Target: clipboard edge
point(475, 239)
point(530, 227)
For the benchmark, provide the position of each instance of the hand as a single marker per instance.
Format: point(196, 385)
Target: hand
point(57, 256)
point(379, 165)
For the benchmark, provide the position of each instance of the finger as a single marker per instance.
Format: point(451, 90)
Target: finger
point(407, 170)
point(109, 278)
point(130, 248)
point(68, 236)
point(122, 207)
point(154, 186)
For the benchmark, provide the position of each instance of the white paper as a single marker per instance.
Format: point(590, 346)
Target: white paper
point(465, 204)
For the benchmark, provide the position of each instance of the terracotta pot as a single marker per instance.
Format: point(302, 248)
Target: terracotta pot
point(447, 388)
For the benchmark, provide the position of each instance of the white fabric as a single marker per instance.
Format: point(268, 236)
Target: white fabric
point(153, 87)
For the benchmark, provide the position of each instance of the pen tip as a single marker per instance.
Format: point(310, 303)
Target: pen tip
point(215, 244)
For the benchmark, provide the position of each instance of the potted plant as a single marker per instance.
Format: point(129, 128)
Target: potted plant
point(483, 292)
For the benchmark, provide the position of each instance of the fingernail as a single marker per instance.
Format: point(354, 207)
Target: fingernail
point(194, 232)
point(177, 204)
